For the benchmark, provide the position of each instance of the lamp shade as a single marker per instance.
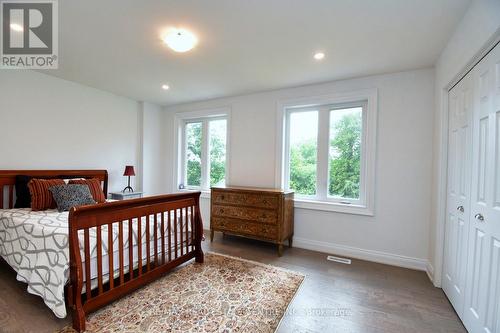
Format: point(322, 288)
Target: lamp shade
point(129, 171)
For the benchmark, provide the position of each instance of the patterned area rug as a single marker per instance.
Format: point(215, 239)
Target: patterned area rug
point(224, 294)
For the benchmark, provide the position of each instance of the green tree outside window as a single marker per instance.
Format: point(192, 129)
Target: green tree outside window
point(344, 159)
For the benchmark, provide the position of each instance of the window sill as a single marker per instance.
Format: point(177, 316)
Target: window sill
point(333, 207)
point(313, 205)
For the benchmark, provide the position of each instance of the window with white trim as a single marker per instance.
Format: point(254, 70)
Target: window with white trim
point(328, 153)
point(202, 153)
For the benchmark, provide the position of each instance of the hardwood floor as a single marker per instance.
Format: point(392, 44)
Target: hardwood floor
point(361, 297)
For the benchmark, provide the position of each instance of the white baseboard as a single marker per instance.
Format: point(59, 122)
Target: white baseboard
point(430, 271)
point(363, 254)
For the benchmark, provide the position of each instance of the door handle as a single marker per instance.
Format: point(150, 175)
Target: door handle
point(460, 209)
point(479, 217)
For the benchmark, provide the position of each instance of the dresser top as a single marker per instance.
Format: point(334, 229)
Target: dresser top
point(250, 189)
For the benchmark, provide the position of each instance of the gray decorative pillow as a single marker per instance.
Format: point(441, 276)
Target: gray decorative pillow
point(72, 195)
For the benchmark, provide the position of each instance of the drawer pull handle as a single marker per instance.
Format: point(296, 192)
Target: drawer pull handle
point(460, 209)
point(479, 217)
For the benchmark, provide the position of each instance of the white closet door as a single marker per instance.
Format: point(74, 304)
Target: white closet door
point(482, 310)
point(459, 175)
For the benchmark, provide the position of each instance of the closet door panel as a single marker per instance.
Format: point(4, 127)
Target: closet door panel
point(496, 201)
point(493, 314)
point(493, 308)
point(482, 161)
point(481, 310)
point(459, 171)
point(493, 295)
point(476, 284)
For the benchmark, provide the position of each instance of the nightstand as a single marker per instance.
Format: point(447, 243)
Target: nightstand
point(125, 195)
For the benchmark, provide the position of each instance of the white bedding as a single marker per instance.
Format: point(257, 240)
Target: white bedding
point(35, 245)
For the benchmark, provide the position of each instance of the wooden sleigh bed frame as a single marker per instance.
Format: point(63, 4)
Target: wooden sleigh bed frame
point(181, 245)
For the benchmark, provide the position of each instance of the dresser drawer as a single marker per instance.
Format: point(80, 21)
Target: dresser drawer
point(246, 213)
point(244, 227)
point(246, 199)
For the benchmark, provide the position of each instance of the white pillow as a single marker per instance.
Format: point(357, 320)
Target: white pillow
point(66, 181)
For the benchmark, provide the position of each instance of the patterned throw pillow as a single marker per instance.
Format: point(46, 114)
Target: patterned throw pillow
point(41, 198)
point(94, 185)
point(67, 196)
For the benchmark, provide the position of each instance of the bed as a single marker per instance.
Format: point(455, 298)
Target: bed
point(70, 257)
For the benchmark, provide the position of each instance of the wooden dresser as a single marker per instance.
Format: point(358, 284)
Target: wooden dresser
point(264, 214)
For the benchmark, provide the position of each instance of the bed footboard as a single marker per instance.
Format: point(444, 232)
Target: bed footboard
point(148, 237)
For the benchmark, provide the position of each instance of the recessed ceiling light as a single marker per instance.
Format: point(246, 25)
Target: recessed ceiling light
point(180, 40)
point(16, 27)
point(319, 55)
point(165, 87)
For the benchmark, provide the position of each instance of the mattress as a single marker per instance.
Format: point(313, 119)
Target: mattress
point(35, 245)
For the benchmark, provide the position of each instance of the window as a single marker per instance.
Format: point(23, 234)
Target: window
point(303, 152)
point(328, 153)
point(344, 153)
point(202, 151)
point(193, 154)
point(218, 130)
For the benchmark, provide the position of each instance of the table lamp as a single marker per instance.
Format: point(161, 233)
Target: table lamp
point(129, 171)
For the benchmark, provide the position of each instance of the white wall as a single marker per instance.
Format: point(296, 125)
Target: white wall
point(398, 233)
point(152, 142)
point(49, 123)
point(479, 23)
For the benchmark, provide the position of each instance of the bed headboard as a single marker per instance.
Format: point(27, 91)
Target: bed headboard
point(8, 180)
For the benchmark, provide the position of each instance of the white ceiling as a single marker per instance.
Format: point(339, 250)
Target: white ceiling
point(245, 46)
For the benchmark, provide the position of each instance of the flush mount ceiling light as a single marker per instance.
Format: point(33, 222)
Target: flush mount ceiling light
point(180, 40)
point(16, 27)
point(165, 87)
point(319, 55)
